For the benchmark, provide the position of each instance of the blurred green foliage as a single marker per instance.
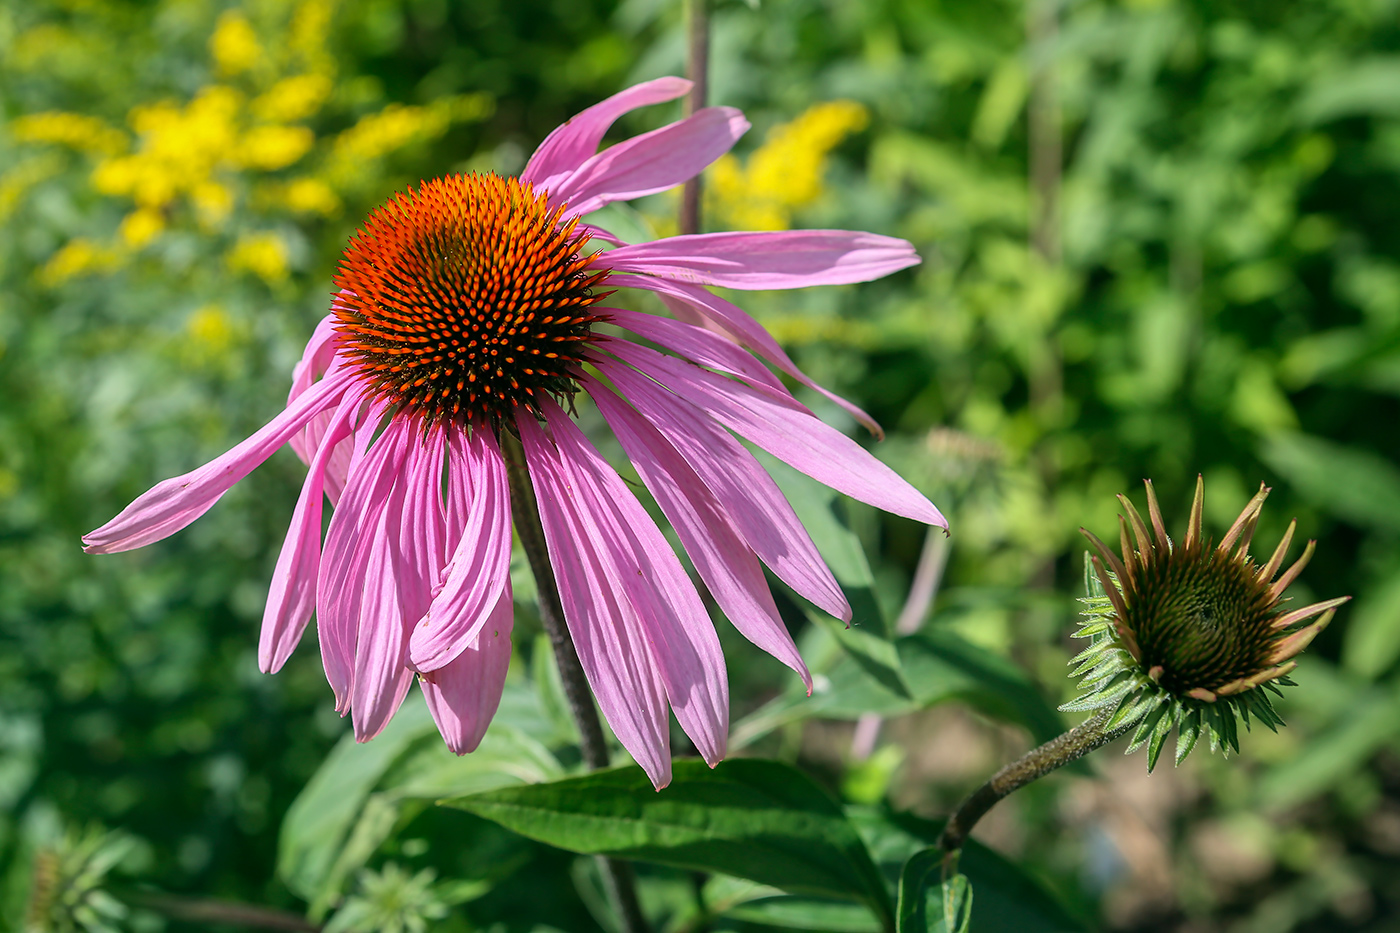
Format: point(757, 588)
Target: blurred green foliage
point(1211, 284)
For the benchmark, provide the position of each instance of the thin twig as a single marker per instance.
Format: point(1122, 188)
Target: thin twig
point(618, 877)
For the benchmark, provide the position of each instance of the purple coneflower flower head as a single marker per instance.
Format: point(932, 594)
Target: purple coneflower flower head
point(1191, 635)
point(466, 319)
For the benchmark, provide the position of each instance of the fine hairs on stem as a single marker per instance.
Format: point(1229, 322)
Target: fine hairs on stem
point(617, 874)
point(1036, 763)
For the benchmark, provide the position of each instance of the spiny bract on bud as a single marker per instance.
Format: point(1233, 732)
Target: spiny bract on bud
point(1192, 635)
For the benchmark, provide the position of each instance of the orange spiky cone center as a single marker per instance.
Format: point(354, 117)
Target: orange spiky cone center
point(466, 298)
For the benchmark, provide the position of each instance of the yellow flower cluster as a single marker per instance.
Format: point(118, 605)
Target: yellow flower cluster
point(262, 254)
point(207, 153)
point(74, 130)
point(785, 173)
point(78, 256)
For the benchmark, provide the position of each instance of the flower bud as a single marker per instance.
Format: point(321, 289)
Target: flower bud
point(1192, 636)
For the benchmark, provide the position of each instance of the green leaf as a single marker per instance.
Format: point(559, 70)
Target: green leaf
point(1358, 486)
point(1359, 88)
point(1010, 898)
point(355, 800)
point(1372, 642)
point(760, 820)
point(1367, 723)
point(805, 913)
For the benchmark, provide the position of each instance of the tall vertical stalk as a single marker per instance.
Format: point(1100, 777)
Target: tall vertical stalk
point(697, 69)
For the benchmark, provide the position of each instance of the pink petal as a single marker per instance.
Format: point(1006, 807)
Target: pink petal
point(787, 431)
point(292, 596)
point(652, 162)
point(480, 566)
point(340, 585)
point(317, 360)
point(459, 489)
point(382, 678)
point(737, 322)
point(726, 564)
point(573, 142)
point(418, 555)
point(463, 695)
point(780, 259)
point(698, 345)
point(679, 633)
point(602, 623)
point(171, 505)
point(754, 503)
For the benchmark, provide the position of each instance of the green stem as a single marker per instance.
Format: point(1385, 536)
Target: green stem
point(1036, 763)
point(618, 876)
point(697, 33)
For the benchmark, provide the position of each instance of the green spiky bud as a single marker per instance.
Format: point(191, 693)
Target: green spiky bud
point(1192, 637)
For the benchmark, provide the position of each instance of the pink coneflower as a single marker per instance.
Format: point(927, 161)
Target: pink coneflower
point(466, 314)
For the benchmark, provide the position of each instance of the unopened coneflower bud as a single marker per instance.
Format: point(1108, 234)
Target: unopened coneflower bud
point(1192, 635)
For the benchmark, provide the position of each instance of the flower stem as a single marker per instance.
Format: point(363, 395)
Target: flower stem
point(1036, 763)
point(697, 34)
point(617, 874)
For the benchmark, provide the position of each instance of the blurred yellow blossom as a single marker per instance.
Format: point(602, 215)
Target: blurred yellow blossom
point(262, 254)
point(269, 148)
point(78, 257)
point(309, 33)
point(141, 226)
point(74, 130)
point(785, 173)
point(234, 45)
point(210, 329)
point(292, 99)
point(310, 196)
point(396, 126)
point(213, 201)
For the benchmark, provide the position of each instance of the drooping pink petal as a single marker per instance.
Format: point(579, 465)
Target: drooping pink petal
point(778, 259)
point(319, 359)
point(419, 547)
point(292, 596)
point(479, 569)
point(382, 678)
point(340, 585)
point(171, 505)
point(737, 323)
point(574, 141)
point(726, 564)
point(602, 624)
point(652, 162)
point(463, 694)
point(754, 503)
point(698, 345)
point(459, 490)
point(787, 431)
point(679, 632)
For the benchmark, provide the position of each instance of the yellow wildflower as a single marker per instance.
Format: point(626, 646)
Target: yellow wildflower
point(210, 329)
point(234, 46)
point(78, 257)
point(76, 131)
point(311, 196)
point(262, 254)
point(308, 34)
point(141, 226)
point(269, 148)
point(785, 173)
point(293, 99)
point(396, 126)
point(213, 201)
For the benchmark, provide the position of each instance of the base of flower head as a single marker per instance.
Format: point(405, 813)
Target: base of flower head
point(1114, 679)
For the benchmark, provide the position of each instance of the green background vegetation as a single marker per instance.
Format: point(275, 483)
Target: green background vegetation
point(1214, 288)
